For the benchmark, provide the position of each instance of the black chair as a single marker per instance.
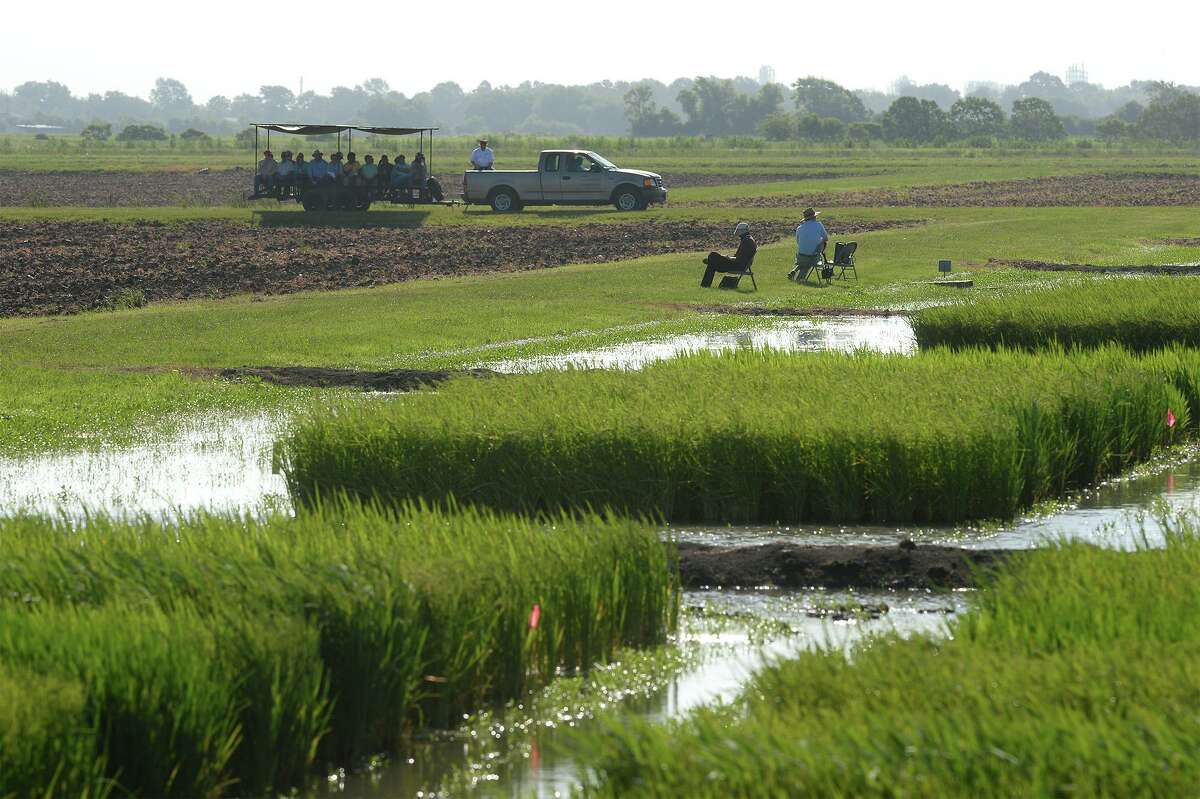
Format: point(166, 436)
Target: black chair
point(730, 280)
point(822, 268)
point(843, 258)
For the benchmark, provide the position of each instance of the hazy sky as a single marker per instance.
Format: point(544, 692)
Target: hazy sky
point(225, 47)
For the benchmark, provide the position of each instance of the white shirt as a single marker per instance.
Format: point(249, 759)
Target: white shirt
point(482, 158)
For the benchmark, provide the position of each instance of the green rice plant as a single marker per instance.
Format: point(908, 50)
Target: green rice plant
point(48, 746)
point(1142, 314)
point(337, 631)
point(1076, 673)
point(762, 436)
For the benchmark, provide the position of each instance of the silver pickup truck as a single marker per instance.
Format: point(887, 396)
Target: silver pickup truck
point(565, 177)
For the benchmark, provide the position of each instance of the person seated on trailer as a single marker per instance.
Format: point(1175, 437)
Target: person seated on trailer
point(811, 239)
point(284, 173)
point(419, 171)
point(715, 262)
point(384, 179)
point(401, 172)
point(336, 169)
point(264, 176)
point(300, 173)
point(368, 173)
point(318, 169)
point(482, 157)
point(352, 168)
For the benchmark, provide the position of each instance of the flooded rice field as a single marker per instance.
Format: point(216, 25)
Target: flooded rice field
point(879, 333)
point(725, 637)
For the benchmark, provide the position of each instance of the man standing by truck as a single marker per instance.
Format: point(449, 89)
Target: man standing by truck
point(482, 157)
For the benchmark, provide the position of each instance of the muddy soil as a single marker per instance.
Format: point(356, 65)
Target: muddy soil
point(55, 267)
point(1152, 189)
point(51, 267)
point(784, 565)
point(325, 377)
point(1047, 266)
point(208, 188)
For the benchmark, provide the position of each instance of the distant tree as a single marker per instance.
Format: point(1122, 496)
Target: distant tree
point(752, 108)
point(191, 134)
point(827, 99)
point(275, 103)
point(912, 120)
point(1172, 115)
point(709, 105)
point(97, 131)
point(976, 116)
point(1034, 119)
point(218, 106)
point(142, 133)
point(863, 132)
point(47, 97)
point(171, 98)
point(375, 86)
point(777, 127)
point(1114, 128)
point(938, 93)
point(1130, 112)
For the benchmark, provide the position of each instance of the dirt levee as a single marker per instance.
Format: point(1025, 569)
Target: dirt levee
point(66, 267)
point(1124, 269)
point(1073, 190)
point(327, 377)
point(796, 566)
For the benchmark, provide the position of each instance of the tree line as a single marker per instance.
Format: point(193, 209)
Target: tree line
point(1040, 109)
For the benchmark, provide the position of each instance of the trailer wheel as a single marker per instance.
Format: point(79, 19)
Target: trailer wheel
point(313, 200)
point(628, 198)
point(504, 201)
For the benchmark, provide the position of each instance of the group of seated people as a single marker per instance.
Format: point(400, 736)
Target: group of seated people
point(293, 175)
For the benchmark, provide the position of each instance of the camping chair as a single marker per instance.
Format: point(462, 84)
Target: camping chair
point(822, 268)
point(730, 280)
point(843, 258)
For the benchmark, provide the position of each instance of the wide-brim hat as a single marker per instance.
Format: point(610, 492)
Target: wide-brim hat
point(811, 213)
point(268, 152)
point(317, 154)
point(482, 141)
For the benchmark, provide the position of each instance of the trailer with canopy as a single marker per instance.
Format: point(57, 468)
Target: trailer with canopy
point(341, 189)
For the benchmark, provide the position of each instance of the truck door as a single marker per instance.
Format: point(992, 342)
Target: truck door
point(582, 179)
point(551, 174)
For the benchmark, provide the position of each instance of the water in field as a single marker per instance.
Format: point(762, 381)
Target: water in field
point(730, 634)
point(214, 463)
point(1123, 512)
point(841, 334)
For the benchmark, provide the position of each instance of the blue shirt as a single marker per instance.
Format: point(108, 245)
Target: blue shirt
point(317, 169)
point(809, 236)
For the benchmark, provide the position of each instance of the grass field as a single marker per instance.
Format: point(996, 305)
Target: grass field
point(1074, 675)
point(234, 656)
point(1141, 313)
point(762, 437)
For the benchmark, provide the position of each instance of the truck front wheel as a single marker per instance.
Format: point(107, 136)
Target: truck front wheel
point(628, 198)
point(505, 200)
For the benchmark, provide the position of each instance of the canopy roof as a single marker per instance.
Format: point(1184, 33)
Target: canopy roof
point(320, 130)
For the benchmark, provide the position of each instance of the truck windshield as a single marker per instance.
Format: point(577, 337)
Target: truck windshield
point(601, 160)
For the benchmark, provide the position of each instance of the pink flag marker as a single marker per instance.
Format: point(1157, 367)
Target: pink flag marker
point(535, 616)
point(1170, 418)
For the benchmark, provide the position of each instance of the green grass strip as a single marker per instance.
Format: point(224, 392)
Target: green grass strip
point(1142, 313)
point(763, 436)
point(1076, 675)
point(229, 655)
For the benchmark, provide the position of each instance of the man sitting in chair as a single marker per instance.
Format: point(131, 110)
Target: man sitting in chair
point(811, 238)
point(715, 262)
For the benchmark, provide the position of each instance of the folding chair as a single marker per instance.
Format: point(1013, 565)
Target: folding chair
point(822, 267)
point(843, 258)
point(730, 280)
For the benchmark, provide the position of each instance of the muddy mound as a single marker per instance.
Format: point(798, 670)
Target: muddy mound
point(54, 267)
point(1048, 266)
point(785, 565)
point(1121, 189)
point(326, 377)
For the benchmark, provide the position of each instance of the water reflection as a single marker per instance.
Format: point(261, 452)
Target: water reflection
point(731, 647)
point(215, 463)
point(1121, 513)
point(881, 334)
